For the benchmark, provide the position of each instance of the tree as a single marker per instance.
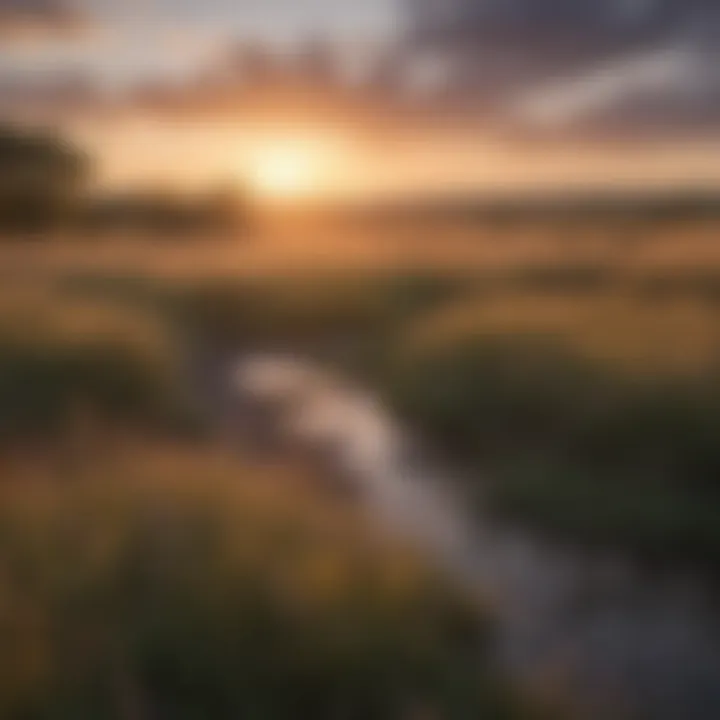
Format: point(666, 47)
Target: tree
point(41, 179)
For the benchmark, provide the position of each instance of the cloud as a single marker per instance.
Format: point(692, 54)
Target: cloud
point(613, 84)
point(581, 66)
point(538, 36)
point(21, 20)
point(663, 94)
point(591, 69)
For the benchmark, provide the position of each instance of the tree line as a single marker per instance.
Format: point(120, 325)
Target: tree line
point(46, 185)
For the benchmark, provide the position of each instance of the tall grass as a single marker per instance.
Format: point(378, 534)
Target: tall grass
point(590, 388)
point(599, 414)
point(187, 585)
point(63, 358)
point(182, 583)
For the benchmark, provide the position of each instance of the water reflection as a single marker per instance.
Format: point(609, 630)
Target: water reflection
point(599, 623)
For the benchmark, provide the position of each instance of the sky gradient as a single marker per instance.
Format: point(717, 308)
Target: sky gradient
point(540, 78)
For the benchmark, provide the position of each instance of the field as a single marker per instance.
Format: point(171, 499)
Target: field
point(577, 367)
point(579, 364)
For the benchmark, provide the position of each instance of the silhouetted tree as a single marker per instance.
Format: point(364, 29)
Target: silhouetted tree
point(42, 178)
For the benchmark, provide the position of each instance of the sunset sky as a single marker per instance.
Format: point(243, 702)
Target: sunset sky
point(516, 92)
point(124, 40)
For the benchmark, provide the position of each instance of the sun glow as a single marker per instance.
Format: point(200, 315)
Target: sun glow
point(291, 169)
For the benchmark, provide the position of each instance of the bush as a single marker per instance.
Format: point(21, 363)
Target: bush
point(63, 357)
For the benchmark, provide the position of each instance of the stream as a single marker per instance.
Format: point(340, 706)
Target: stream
point(624, 639)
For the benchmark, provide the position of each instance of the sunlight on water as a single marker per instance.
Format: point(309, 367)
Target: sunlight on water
point(319, 410)
point(595, 622)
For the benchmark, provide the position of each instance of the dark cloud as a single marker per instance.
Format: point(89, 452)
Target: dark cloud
point(544, 35)
point(502, 50)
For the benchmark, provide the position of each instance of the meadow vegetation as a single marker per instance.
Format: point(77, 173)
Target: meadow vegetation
point(594, 417)
point(144, 572)
point(143, 575)
point(186, 584)
point(587, 389)
point(66, 361)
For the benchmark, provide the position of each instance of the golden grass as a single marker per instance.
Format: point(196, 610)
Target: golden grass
point(190, 569)
point(621, 331)
point(68, 361)
point(38, 315)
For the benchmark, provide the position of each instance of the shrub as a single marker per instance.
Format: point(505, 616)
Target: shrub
point(61, 357)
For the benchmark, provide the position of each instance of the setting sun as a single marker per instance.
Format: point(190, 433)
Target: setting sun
point(282, 174)
point(289, 170)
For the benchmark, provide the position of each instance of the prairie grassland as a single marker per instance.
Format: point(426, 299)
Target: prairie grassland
point(191, 583)
point(578, 369)
point(580, 365)
point(631, 334)
point(581, 372)
point(597, 413)
point(142, 573)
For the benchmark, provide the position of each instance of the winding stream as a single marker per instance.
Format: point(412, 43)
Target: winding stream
point(620, 637)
